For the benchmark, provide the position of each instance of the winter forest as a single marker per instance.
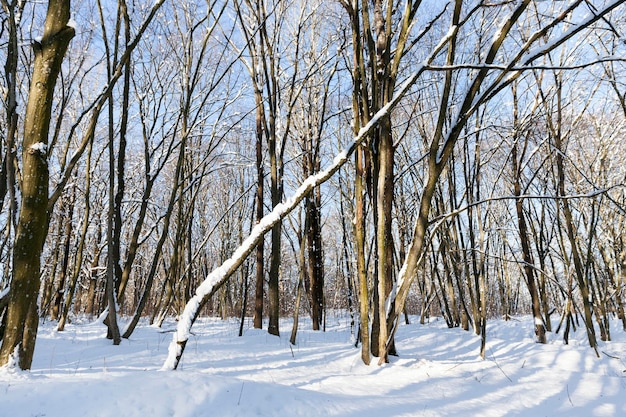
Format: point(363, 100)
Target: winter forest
point(262, 161)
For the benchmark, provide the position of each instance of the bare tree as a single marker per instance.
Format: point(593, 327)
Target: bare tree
point(263, 23)
point(521, 140)
point(377, 34)
point(22, 317)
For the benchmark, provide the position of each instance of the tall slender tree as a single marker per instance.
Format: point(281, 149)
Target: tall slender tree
point(263, 23)
point(22, 316)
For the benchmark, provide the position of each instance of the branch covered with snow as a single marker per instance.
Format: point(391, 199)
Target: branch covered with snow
point(221, 274)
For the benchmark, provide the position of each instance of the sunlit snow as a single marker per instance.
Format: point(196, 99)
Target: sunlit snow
point(439, 373)
point(39, 147)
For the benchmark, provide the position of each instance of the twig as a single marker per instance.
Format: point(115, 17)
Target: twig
point(611, 356)
point(498, 365)
point(568, 397)
point(615, 357)
point(240, 392)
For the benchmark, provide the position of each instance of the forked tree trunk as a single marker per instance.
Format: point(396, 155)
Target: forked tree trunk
point(374, 83)
point(22, 314)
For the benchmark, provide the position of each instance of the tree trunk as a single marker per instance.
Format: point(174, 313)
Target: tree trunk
point(361, 268)
point(78, 261)
point(571, 233)
point(273, 285)
point(529, 263)
point(8, 164)
point(302, 272)
point(273, 289)
point(384, 237)
point(91, 308)
point(121, 280)
point(313, 239)
point(259, 256)
point(22, 315)
point(67, 218)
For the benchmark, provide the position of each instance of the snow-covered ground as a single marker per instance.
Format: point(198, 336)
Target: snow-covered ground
point(439, 373)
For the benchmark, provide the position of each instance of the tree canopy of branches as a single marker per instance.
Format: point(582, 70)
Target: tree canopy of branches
point(457, 158)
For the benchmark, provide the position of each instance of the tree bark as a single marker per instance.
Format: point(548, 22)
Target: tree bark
point(316, 261)
point(22, 314)
point(67, 218)
point(8, 164)
point(259, 256)
point(384, 237)
point(78, 261)
point(121, 275)
point(528, 262)
point(361, 267)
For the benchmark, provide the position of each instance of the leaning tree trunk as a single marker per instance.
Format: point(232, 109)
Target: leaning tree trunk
point(22, 315)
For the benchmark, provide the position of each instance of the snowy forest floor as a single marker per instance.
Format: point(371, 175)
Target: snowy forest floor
point(79, 372)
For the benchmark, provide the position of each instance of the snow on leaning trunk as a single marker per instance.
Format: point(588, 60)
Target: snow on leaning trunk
point(221, 274)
